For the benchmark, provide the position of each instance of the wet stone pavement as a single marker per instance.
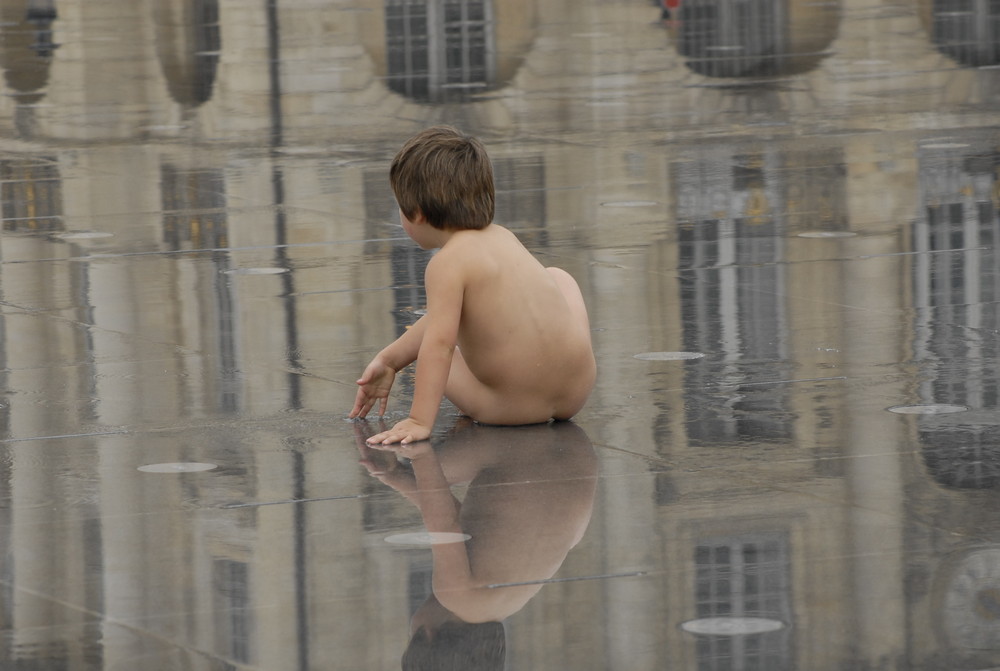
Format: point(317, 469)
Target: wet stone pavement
point(782, 215)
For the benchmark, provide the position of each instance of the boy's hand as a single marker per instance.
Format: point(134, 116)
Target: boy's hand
point(374, 384)
point(405, 432)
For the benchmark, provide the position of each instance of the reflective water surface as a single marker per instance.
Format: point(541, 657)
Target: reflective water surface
point(784, 219)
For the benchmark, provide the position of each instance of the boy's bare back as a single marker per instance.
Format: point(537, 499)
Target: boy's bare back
point(524, 340)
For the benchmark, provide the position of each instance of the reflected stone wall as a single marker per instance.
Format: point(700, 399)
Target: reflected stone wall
point(200, 68)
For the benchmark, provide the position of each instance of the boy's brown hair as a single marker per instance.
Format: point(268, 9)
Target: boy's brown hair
point(447, 176)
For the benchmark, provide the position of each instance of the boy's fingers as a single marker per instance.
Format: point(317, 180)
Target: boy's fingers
point(359, 407)
point(377, 438)
point(362, 404)
point(387, 438)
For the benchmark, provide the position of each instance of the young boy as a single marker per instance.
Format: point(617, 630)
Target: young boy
point(504, 338)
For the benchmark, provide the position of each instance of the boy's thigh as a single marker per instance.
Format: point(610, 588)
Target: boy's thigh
point(571, 291)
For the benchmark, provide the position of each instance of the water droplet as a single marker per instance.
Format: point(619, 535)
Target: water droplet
point(177, 467)
point(928, 409)
point(668, 356)
point(732, 626)
point(629, 203)
point(427, 538)
point(944, 145)
point(83, 235)
point(827, 234)
point(255, 271)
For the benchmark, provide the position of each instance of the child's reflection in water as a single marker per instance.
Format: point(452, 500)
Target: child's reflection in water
point(529, 500)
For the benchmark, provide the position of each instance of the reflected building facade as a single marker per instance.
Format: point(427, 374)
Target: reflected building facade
point(733, 249)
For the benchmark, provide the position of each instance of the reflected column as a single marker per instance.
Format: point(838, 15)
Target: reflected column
point(874, 442)
point(35, 346)
point(297, 466)
point(119, 401)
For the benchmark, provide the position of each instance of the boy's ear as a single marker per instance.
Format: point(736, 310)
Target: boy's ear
point(418, 217)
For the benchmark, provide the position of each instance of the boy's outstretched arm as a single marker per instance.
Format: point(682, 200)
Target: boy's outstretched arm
point(376, 381)
point(445, 289)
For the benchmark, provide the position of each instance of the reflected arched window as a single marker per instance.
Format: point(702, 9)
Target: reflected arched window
point(746, 576)
point(963, 457)
point(956, 286)
point(968, 599)
point(195, 217)
point(440, 51)
point(26, 46)
point(520, 197)
point(753, 38)
point(188, 41)
point(194, 208)
point(235, 627)
point(31, 191)
point(956, 275)
point(967, 30)
point(730, 244)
